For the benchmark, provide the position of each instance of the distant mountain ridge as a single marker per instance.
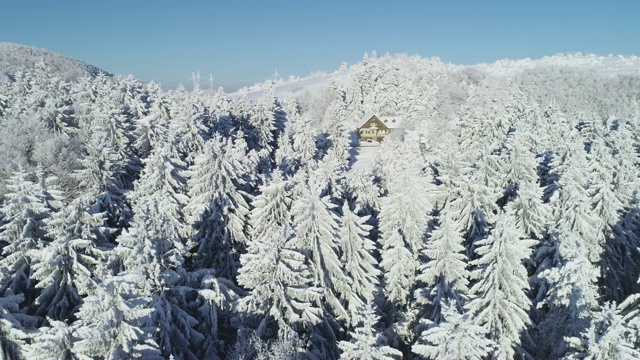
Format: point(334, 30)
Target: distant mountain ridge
point(15, 56)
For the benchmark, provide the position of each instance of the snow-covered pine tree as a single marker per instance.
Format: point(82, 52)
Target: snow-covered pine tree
point(218, 208)
point(109, 320)
point(13, 334)
point(362, 186)
point(190, 127)
point(404, 213)
point(21, 234)
point(366, 341)
point(567, 262)
point(211, 302)
point(610, 336)
point(283, 296)
point(262, 138)
point(153, 249)
point(281, 292)
point(153, 246)
point(336, 124)
point(315, 226)
point(152, 123)
point(304, 143)
point(358, 260)
point(51, 342)
point(444, 275)
point(524, 192)
point(101, 177)
point(456, 337)
point(501, 304)
point(65, 267)
point(284, 154)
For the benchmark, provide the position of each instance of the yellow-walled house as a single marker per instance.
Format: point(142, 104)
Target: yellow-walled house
point(375, 128)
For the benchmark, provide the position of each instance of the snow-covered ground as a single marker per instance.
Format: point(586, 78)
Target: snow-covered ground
point(365, 156)
point(297, 87)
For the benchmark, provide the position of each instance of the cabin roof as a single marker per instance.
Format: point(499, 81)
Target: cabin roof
point(391, 122)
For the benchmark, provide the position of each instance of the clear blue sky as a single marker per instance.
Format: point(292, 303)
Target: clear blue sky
point(242, 41)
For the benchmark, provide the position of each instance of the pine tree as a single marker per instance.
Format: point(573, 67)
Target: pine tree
point(360, 266)
point(282, 295)
point(13, 323)
point(304, 145)
point(218, 208)
point(610, 336)
point(189, 128)
point(22, 233)
point(153, 246)
point(444, 275)
point(102, 177)
point(404, 214)
point(152, 123)
point(501, 304)
point(366, 341)
point(315, 225)
point(65, 267)
point(263, 122)
point(567, 272)
point(108, 323)
point(53, 341)
point(336, 123)
point(457, 336)
point(212, 302)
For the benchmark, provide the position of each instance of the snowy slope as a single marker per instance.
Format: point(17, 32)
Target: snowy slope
point(16, 56)
point(297, 87)
point(606, 65)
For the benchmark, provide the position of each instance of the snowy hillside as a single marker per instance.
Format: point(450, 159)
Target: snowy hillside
point(15, 56)
point(316, 83)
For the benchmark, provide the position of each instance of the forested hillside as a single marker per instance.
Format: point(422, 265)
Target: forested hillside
point(503, 222)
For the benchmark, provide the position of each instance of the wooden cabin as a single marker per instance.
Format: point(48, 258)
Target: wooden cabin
point(375, 128)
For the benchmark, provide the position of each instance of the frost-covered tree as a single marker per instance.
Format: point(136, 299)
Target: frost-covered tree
point(304, 144)
point(501, 304)
point(189, 128)
point(21, 234)
point(212, 301)
point(610, 336)
point(263, 122)
point(153, 121)
point(367, 341)
point(444, 275)
point(65, 268)
point(404, 214)
point(153, 246)
point(337, 127)
point(315, 228)
point(218, 210)
point(108, 324)
point(54, 341)
point(360, 265)
point(102, 176)
point(567, 271)
point(457, 336)
point(13, 334)
point(282, 294)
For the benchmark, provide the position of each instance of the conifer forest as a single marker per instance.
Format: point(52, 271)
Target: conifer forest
point(502, 222)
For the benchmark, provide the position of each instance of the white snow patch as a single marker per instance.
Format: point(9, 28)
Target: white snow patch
point(366, 154)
